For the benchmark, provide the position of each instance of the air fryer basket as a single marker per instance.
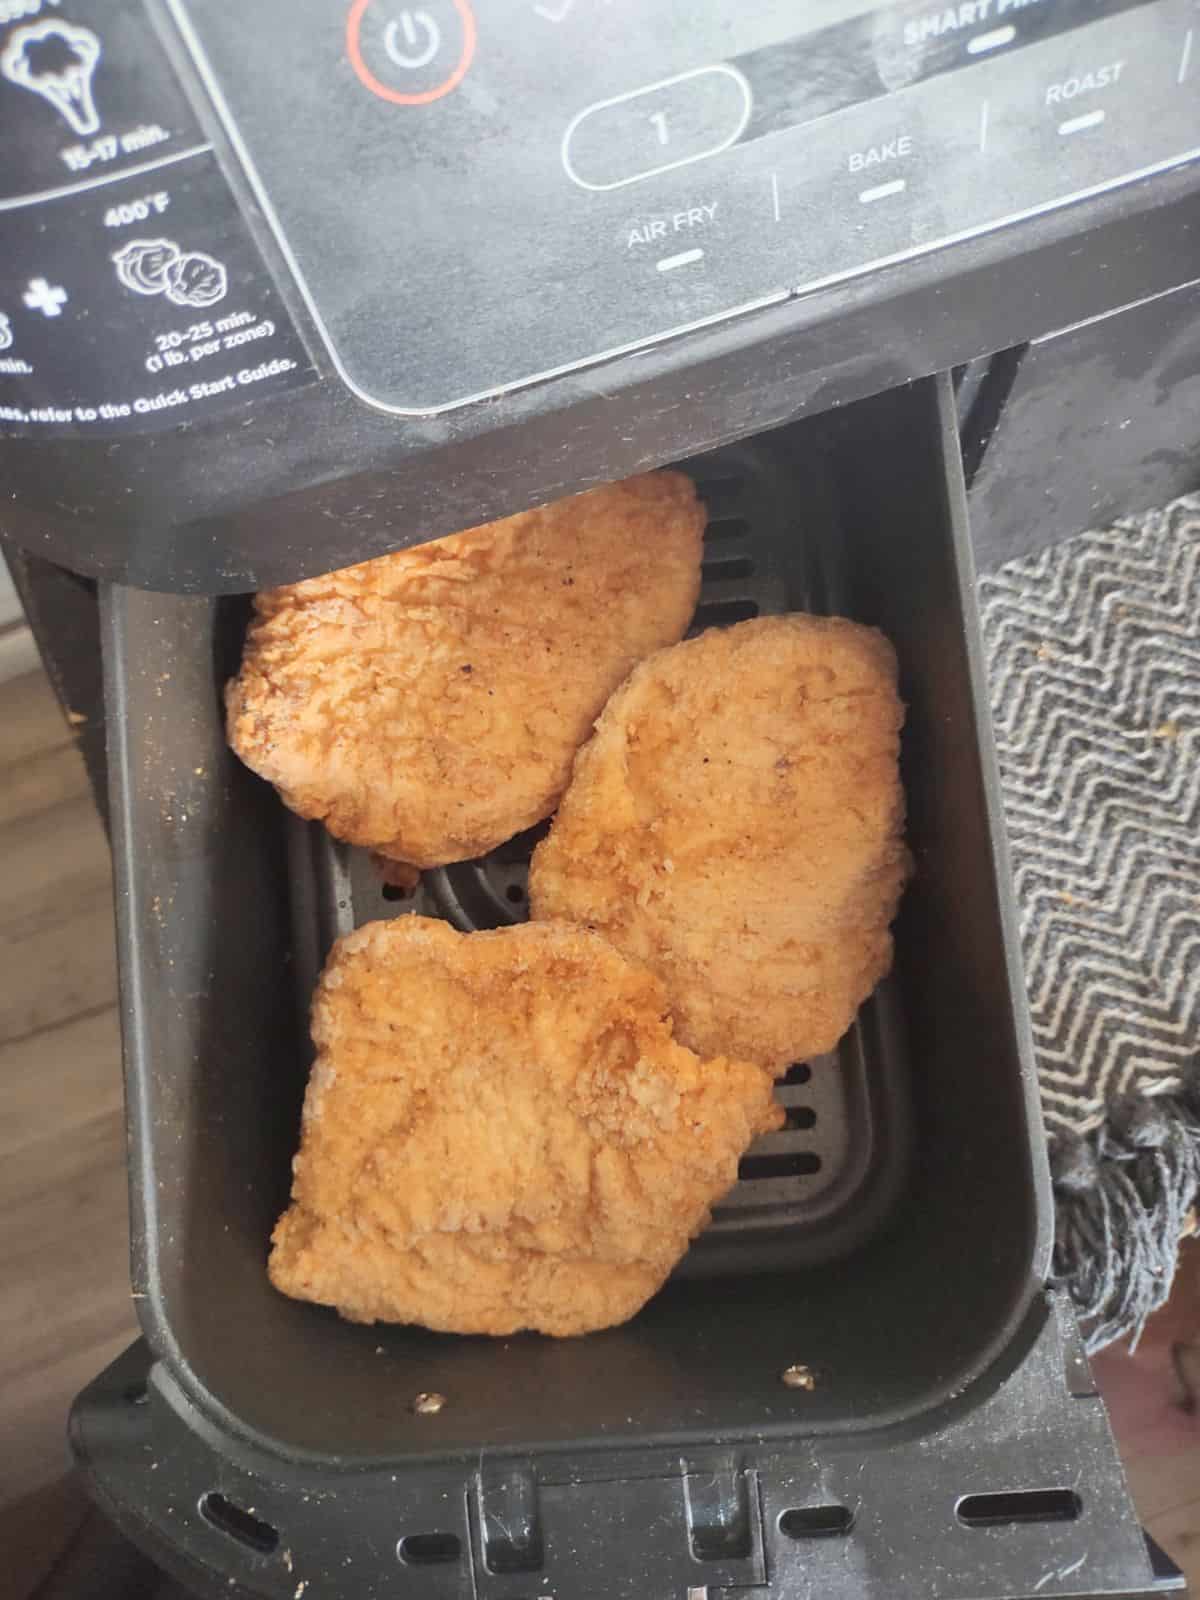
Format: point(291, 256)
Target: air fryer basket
point(819, 1186)
point(262, 1443)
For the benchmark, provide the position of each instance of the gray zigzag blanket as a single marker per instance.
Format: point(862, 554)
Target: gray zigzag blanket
point(1094, 660)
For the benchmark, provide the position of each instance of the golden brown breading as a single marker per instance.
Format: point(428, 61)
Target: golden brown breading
point(500, 1133)
point(428, 704)
point(735, 824)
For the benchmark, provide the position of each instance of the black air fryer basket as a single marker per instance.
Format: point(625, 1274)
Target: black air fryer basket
point(857, 1382)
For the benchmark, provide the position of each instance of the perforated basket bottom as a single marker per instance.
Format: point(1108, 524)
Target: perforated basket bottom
point(827, 1178)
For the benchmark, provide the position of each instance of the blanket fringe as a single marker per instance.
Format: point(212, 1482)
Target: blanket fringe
point(1123, 1196)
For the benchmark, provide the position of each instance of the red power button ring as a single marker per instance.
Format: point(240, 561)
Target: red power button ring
point(397, 96)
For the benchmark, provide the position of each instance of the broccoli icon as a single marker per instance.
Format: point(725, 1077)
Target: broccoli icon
point(56, 60)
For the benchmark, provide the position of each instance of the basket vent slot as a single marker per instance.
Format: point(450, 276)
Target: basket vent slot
point(721, 491)
point(1018, 1505)
point(719, 613)
point(816, 1522)
point(239, 1524)
point(429, 1549)
point(785, 1164)
point(800, 1119)
point(723, 528)
point(726, 569)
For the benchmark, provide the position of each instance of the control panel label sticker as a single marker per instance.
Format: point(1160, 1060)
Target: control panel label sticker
point(131, 292)
point(108, 325)
point(85, 91)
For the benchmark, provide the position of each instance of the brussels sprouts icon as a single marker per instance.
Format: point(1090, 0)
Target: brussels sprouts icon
point(196, 280)
point(56, 60)
point(142, 264)
point(159, 266)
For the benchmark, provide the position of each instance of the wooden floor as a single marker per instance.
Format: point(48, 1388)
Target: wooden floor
point(65, 1308)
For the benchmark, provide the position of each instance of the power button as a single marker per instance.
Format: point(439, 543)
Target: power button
point(410, 54)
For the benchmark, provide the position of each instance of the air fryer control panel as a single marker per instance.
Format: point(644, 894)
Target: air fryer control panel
point(473, 194)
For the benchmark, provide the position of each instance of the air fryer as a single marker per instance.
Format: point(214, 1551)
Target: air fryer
point(290, 286)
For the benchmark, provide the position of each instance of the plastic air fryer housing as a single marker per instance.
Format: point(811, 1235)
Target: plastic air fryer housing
point(284, 287)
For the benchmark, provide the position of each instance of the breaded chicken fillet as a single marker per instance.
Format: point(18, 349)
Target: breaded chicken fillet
point(428, 704)
point(736, 824)
point(500, 1133)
